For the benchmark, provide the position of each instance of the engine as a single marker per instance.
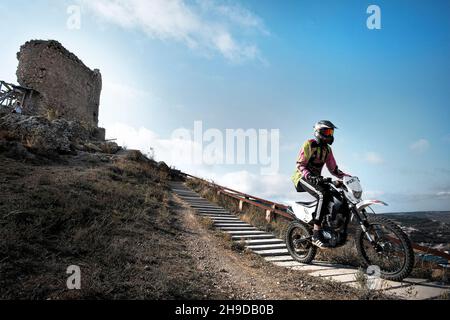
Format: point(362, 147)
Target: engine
point(335, 219)
point(335, 228)
point(335, 238)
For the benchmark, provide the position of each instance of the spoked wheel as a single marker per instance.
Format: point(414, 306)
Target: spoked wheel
point(298, 242)
point(392, 251)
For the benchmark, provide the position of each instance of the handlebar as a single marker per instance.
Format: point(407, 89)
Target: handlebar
point(336, 183)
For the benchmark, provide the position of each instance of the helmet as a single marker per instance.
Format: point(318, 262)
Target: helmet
point(324, 131)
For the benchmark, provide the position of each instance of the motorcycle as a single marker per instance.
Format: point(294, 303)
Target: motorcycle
point(379, 241)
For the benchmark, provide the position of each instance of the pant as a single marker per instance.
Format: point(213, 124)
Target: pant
point(322, 195)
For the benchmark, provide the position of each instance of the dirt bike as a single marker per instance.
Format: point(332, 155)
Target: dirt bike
point(379, 241)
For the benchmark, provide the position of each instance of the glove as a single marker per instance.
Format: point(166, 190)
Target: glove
point(316, 180)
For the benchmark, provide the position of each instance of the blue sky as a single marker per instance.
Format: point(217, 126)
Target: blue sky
point(269, 65)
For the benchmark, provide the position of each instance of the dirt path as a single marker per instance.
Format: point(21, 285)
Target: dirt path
point(243, 275)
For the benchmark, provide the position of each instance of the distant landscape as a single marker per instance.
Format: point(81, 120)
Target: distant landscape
point(429, 228)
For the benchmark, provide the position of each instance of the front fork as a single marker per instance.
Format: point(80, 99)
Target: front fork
point(364, 224)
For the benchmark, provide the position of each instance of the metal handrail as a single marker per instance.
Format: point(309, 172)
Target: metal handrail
point(245, 195)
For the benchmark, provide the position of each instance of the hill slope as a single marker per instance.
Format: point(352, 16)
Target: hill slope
point(426, 228)
point(112, 219)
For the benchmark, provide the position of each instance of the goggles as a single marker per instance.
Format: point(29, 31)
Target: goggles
point(327, 132)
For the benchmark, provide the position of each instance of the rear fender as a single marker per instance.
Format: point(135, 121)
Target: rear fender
point(303, 213)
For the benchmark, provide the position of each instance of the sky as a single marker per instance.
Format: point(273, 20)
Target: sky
point(266, 65)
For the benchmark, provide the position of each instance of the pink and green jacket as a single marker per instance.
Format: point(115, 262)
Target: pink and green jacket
point(312, 157)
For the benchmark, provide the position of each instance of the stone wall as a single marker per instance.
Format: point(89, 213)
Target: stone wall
point(65, 87)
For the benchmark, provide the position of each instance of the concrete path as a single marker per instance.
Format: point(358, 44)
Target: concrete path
point(274, 250)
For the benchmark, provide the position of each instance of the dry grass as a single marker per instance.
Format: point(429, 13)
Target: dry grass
point(51, 113)
point(361, 279)
point(238, 246)
point(430, 271)
point(206, 223)
point(346, 254)
point(224, 238)
point(135, 164)
point(113, 220)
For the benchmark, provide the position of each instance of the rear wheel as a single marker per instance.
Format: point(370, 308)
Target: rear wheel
point(298, 242)
point(392, 251)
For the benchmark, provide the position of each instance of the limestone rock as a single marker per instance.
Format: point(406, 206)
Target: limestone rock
point(99, 146)
point(44, 136)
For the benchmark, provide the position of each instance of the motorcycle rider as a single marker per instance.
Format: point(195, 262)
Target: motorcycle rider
point(314, 154)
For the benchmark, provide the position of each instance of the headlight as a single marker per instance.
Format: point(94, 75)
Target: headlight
point(357, 194)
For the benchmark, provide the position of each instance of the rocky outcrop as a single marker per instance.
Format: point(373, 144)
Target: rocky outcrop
point(49, 137)
point(65, 87)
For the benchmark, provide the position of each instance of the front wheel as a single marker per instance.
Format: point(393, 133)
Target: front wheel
point(298, 242)
point(391, 250)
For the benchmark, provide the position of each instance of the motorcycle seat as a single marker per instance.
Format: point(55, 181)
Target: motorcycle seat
point(308, 204)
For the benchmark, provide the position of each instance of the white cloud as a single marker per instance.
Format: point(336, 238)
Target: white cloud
point(121, 94)
point(444, 194)
point(201, 25)
point(276, 186)
point(235, 13)
point(420, 146)
point(119, 98)
point(168, 150)
point(370, 157)
point(373, 158)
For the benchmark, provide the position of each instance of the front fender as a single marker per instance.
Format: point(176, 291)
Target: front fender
point(364, 204)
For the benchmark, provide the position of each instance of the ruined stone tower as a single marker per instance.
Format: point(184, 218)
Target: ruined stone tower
point(65, 86)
